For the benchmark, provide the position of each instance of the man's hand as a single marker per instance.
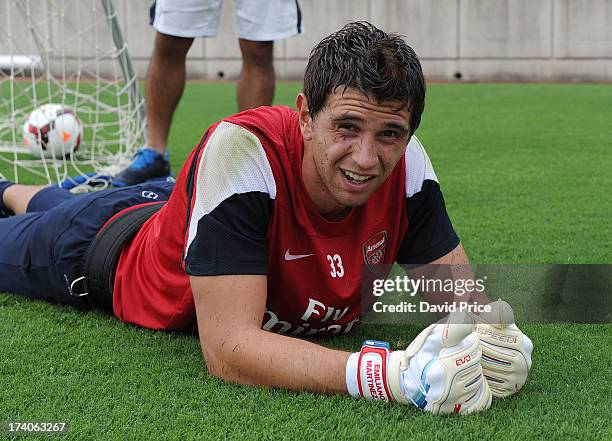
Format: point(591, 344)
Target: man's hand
point(439, 372)
point(506, 351)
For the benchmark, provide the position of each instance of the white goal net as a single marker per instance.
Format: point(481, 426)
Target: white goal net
point(68, 52)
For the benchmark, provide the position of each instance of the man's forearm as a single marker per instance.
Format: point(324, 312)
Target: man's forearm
point(261, 358)
point(453, 267)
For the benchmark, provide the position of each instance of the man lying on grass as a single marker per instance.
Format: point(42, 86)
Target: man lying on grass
point(264, 236)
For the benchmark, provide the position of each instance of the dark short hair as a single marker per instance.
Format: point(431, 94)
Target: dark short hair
point(376, 63)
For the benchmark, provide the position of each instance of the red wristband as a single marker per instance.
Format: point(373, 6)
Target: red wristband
point(372, 370)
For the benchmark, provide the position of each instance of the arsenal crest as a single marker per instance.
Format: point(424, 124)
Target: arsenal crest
point(374, 249)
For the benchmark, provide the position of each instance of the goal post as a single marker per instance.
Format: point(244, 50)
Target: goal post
point(68, 52)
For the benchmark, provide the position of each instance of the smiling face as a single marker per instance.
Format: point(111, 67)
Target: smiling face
point(350, 148)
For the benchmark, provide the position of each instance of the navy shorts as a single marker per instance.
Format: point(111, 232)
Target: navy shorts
point(41, 251)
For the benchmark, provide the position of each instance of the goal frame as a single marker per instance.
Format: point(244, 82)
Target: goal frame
point(35, 67)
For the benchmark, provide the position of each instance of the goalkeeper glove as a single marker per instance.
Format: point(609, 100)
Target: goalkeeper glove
point(439, 372)
point(506, 351)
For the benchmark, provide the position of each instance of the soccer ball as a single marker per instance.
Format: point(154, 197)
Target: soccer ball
point(52, 130)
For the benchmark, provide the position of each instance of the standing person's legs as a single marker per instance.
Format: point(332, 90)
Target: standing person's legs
point(177, 23)
point(259, 23)
point(165, 84)
point(256, 81)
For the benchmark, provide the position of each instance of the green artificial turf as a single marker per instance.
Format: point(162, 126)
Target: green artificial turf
point(525, 170)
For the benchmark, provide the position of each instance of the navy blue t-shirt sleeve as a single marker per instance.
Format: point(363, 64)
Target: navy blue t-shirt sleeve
point(430, 232)
point(230, 191)
point(232, 239)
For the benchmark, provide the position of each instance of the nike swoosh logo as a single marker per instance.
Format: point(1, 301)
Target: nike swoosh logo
point(289, 256)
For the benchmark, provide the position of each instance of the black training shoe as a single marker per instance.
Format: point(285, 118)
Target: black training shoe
point(147, 164)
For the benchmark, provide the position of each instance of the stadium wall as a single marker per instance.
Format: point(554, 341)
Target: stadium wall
point(476, 40)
